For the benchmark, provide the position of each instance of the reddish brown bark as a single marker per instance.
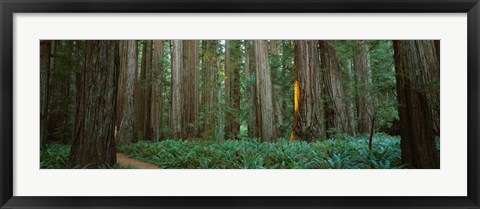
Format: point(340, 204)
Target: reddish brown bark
point(416, 127)
point(232, 88)
point(337, 112)
point(307, 117)
point(94, 142)
point(265, 109)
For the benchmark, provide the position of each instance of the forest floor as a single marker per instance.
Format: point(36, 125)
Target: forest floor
point(127, 162)
point(340, 152)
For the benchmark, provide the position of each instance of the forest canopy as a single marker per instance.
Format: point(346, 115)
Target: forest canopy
point(240, 103)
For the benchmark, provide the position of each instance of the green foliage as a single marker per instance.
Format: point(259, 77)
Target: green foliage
point(56, 156)
point(343, 152)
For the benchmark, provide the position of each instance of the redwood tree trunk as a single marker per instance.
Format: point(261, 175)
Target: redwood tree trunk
point(147, 90)
point(277, 103)
point(416, 127)
point(307, 119)
point(156, 112)
point(265, 108)
point(190, 89)
point(126, 92)
point(44, 88)
point(94, 142)
point(362, 80)
point(232, 88)
point(176, 107)
point(430, 58)
point(140, 97)
point(209, 57)
point(337, 112)
point(251, 105)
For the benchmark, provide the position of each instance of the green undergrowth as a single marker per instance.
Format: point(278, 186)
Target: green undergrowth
point(343, 152)
point(55, 156)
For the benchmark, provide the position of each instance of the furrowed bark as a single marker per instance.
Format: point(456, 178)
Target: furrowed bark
point(265, 108)
point(94, 142)
point(416, 127)
point(307, 119)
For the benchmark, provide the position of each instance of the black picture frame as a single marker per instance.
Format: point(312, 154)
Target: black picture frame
point(9, 7)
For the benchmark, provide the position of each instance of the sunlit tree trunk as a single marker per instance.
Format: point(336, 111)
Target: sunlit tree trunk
point(265, 109)
point(251, 105)
point(362, 81)
point(337, 112)
point(190, 89)
point(45, 47)
point(413, 60)
point(126, 90)
point(307, 119)
point(94, 142)
point(156, 111)
point(176, 106)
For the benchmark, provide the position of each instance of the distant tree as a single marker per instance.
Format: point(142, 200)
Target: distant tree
point(232, 88)
point(413, 60)
point(146, 81)
point(156, 109)
point(251, 105)
point(363, 82)
point(176, 89)
point(265, 110)
point(277, 94)
point(209, 61)
point(337, 111)
point(307, 119)
point(45, 57)
point(94, 142)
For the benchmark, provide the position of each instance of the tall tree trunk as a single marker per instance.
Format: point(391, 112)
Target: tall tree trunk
point(363, 81)
point(67, 92)
point(80, 56)
point(126, 92)
point(232, 88)
point(251, 105)
point(147, 89)
point(53, 94)
point(190, 89)
point(265, 109)
point(337, 112)
point(430, 58)
point(156, 115)
point(220, 126)
point(94, 142)
point(140, 96)
point(416, 128)
point(45, 47)
point(176, 106)
point(307, 119)
point(209, 62)
point(277, 70)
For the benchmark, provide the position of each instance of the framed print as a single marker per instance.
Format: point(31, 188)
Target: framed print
point(265, 104)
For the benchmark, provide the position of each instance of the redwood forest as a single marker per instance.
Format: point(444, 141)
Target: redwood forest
point(240, 104)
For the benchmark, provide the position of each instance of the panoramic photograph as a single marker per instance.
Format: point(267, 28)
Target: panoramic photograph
point(239, 104)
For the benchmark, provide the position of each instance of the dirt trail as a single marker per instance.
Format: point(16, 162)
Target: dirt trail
point(132, 163)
